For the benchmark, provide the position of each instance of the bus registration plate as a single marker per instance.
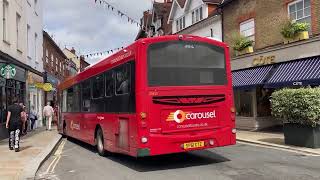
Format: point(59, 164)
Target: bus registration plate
point(192, 145)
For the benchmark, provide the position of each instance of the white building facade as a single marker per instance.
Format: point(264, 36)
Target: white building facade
point(197, 17)
point(34, 41)
point(19, 53)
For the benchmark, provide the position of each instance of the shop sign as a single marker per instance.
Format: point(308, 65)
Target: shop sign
point(38, 85)
point(47, 87)
point(263, 60)
point(298, 83)
point(8, 71)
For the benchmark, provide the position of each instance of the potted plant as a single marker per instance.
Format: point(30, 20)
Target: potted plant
point(299, 110)
point(295, 31)
point(242, 45)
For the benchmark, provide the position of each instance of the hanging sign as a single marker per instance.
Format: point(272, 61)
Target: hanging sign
point(8, 71)
point(47, 87)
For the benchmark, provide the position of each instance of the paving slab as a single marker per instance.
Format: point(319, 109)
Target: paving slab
point(34, 149)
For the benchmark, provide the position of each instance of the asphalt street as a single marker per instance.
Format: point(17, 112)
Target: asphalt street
point(74, 160)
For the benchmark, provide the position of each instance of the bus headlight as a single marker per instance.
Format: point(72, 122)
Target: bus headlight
point(144, 140)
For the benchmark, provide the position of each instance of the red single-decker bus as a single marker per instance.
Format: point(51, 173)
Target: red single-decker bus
point(160, 95)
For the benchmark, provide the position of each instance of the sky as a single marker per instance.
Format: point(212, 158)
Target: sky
point(91, 27)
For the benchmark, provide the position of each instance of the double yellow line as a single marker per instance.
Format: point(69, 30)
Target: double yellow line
point(57, 155)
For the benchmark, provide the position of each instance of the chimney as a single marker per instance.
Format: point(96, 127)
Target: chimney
point(73, 51)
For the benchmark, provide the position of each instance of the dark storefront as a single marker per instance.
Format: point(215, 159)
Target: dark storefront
point(10, 88)
point(14, 86)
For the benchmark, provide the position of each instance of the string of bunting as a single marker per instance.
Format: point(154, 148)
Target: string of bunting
point(97, 53)
point(120, 13)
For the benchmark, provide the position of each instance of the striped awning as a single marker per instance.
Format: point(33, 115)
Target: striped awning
point(250, 77)
point(296, 73)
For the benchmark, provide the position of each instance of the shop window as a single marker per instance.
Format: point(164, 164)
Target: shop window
point(263, 102)
point(243, 101)
point(300, 11)
point(247, 29)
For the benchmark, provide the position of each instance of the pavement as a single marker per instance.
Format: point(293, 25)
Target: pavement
point(34, 149)
point(272, 139)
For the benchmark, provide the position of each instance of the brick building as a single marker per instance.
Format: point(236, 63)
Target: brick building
point(56, 65)
point(274, 64)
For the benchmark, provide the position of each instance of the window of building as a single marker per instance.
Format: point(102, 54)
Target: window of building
point(300, 11)
point(197, 15)
point(86, 96)
point(5, 9)
point(247, 29)
point(51, 60)
point(36, 47)
point(263, 102)
point(18, 29)
point(181, 23)
point(36, 7)
point(244, 102)
point(98, 87)
point(29, 41)
point(123, 80)
point(57, 61)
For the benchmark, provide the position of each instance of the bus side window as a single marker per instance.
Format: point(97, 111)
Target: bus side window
point(69, 99)
point(85, 96)
point(123, 80)
point(109, 84)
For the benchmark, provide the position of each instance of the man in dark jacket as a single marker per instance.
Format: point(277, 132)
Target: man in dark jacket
point(14, 124)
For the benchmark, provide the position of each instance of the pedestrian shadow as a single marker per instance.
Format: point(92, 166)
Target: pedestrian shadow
point(161, 162)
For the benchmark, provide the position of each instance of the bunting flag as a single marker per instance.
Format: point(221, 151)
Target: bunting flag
point(104, 3)
point(97, 54)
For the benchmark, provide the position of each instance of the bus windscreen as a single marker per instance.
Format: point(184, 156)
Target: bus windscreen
point(186, 63)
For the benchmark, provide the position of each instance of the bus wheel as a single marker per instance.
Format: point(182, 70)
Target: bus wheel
point(100, 143)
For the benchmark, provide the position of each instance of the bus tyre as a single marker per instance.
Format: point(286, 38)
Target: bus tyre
point(100, 143)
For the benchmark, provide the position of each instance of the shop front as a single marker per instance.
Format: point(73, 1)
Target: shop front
point(12, 85)
point(35, 95)
point(257, 75)
point(51, 93)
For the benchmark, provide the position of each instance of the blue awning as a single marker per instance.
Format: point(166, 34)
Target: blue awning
point(301, 73)
point(248, 78)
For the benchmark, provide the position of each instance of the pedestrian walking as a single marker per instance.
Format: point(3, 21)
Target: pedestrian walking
point(14, 124)
point(33, 117)
point(24, 118)
point(47, 114)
